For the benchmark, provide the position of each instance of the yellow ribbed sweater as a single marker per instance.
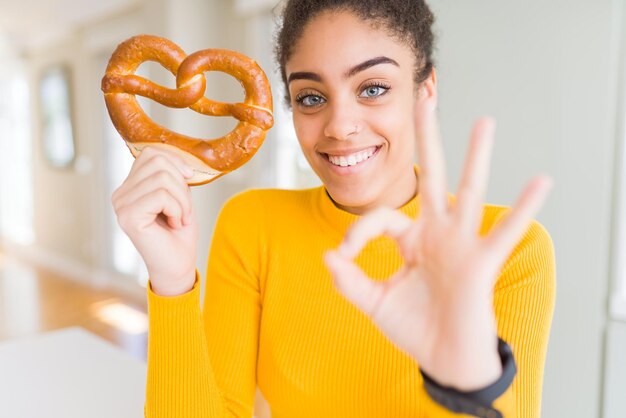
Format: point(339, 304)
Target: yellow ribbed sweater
point(272, 318)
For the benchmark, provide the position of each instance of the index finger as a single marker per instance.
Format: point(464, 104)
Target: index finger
point(149, 152)
point(382, 221)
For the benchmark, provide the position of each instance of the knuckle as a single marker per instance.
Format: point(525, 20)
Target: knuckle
point(114, 196)
point(163, 177)
point(158, 159)
point(125, 218)
point(162, 194)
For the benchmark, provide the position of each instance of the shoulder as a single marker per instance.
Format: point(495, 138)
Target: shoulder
point(249, 220)
point(533, 256)
point(536, 234)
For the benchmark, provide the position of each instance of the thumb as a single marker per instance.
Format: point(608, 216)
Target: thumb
point(353, 284)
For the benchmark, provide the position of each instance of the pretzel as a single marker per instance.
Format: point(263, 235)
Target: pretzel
point(209, 158)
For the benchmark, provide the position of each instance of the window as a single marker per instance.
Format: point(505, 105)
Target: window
point(16, 190)
point(55, 111)
point(292, 170)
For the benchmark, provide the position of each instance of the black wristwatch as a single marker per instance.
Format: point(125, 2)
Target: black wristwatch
point(478, 403)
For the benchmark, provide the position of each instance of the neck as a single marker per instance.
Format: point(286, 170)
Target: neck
point(408, 188)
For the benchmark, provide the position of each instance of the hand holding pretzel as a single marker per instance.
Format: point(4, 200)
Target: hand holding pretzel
point(209, 159)
point(154, 208)
point(154, 205)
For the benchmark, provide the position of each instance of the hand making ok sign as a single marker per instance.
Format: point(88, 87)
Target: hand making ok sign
point(438, 307)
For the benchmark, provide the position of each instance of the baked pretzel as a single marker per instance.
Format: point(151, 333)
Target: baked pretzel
point(209, 158)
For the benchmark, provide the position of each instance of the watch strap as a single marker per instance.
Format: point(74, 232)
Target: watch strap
point(478, 403)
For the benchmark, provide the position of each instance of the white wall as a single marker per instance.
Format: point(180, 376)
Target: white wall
point(547, 71)
point(614, 401)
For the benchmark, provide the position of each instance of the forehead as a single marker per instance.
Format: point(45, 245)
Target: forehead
point(334, 41)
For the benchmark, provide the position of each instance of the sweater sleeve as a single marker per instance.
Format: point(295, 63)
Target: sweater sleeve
point(524, 299)
point(202, 364)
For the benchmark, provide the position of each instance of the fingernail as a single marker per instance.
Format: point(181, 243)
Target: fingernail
point(187, 171)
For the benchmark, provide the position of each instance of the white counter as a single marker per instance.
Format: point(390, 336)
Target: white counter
point(69, 373)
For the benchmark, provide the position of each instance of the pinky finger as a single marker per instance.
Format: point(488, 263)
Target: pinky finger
point(507, 234)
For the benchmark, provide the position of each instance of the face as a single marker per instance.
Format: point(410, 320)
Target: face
point(353, 97)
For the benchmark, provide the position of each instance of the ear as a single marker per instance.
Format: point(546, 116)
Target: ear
point(427, 89)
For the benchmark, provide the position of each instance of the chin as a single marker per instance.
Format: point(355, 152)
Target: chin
point(352, 199)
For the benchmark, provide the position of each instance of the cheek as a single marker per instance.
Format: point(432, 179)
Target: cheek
point(307, 131)
point(395, 123)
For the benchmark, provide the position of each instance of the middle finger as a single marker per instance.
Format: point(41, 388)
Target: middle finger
point(432, 173)
point(160, 180)
point(473, 184)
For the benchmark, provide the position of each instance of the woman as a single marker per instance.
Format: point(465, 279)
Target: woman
point(413, 328)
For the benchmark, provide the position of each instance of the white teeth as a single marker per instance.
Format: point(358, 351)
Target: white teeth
point(352, 159)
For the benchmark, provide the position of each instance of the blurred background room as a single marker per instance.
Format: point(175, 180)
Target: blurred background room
point(552, 72)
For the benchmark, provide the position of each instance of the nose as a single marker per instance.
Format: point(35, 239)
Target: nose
point(342, 122)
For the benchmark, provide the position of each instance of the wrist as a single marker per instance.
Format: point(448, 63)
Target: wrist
point(464, 353)
point(175, 287)
point(468, 367)
point(478, 402)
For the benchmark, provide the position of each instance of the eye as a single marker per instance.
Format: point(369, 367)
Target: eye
point(374, 90)
point(308, 99)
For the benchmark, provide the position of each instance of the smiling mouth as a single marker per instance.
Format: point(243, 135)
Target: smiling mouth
point(352, 159)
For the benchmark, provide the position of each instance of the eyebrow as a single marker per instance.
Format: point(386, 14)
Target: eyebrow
point(369, 63)
point(306, 75)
